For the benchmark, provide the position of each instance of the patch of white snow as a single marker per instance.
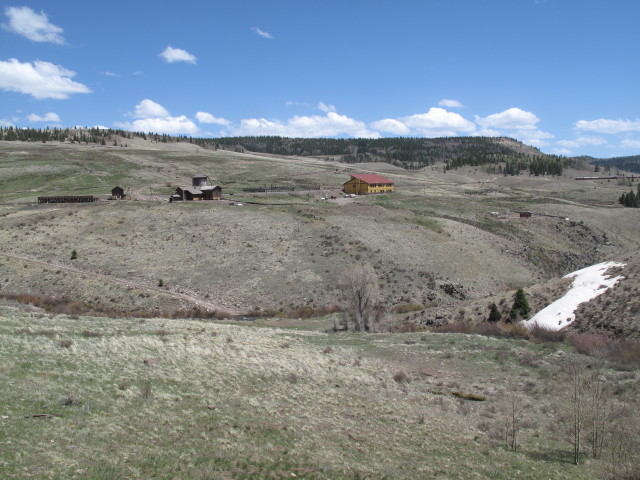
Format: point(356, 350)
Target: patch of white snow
point(588, 284)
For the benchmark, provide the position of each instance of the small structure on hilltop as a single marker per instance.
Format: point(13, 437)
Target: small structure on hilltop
point(117, 193)
point(366, 183)
point(201, 189)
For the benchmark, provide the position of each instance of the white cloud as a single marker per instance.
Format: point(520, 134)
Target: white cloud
point(487, 132)
point(153, 117)
point(326, 107)
point(516, 123)
point(34, 26)
point(512, 119)
point(204, 117)
point(603, 125)
point(40, 79)
point(562, 151)
point(438, 122)
point(149, 109)
point(111, 74)
point(262, 33)
point(172, 55)
point(628, 143)
point(582, 141)
point(447, 102)
point(47, 117)
point(330, 125)
point(534, 137)
point(170, 125)
point(391, 125)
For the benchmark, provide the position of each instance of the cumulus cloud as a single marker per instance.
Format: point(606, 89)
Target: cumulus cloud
point(449, 103)
point(390, 125)
point(39, 79)
point(170, 125)
point(628, 143)
point(514, 122)
point(512, 119)
point(330, 125)
point(34, 26)
point(326, 107)
point(153, 117)
point(149, 109)
point(582, 141)
point(262, 33)
point(47, 117)
point(562, 151)
point(604, 125)
point(535, 137)
point(204, 117)
point(172, 55)
point(437, 122)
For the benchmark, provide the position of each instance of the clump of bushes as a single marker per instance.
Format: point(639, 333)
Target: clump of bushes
point(469, 396)
point(602, 346)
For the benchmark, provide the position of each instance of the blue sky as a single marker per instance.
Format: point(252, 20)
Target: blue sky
point(561, 75)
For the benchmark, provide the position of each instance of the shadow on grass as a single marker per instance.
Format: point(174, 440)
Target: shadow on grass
point(552, 456)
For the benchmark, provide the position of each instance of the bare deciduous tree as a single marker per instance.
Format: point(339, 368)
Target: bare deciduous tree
point(512, 412)
point(360, 290)
point(599, 410)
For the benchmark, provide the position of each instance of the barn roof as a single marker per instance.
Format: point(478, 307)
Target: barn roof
point(370, 178)
point(197, 190)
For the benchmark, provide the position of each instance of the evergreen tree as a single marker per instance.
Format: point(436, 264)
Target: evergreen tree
point(520, 306)
point(494, 313)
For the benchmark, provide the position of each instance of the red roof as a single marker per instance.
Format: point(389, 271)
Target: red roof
point(370, 178)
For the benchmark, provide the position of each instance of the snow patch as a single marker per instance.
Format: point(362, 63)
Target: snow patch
point(588, 284)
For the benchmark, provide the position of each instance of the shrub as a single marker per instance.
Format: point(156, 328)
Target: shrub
point(602, 346)
point(401, 377)
point(74, 254)
point(546, 335)
point(69, 400)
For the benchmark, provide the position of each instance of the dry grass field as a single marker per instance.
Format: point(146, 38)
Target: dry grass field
point(104, 398)
point(280, 252)
point(98, 382)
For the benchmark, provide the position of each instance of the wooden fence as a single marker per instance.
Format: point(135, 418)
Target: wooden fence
point(68, 199)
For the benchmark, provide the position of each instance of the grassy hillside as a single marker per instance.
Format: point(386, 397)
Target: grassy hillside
point(103, 399)
point(284, 252)
point(107, 374)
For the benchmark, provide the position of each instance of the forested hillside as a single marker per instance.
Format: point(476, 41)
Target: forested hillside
point(629, 164)
point(499, 155)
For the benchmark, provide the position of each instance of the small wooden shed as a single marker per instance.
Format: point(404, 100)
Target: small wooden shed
point(117, 193)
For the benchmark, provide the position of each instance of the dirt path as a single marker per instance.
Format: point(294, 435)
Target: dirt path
point(195, 300)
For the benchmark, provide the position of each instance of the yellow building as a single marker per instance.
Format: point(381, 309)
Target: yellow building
point(365, 183)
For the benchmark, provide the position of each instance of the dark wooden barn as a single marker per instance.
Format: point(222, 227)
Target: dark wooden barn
point(117, 193)
point(204, 192)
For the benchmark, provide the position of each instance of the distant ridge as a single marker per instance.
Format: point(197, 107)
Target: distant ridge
point(501, 155)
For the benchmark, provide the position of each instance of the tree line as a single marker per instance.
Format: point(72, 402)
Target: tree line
point(498, 155)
